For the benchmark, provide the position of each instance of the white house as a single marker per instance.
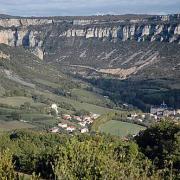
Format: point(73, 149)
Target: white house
point(55, 107)
point(62, 125)
point(95, 116)
point(71, 128)
point(134, 115)
point(143, 116)
point(155, 117)
point(85, 130)
point(87, 118)
point(77, 118)
point(83, 124)
point(140, 120)
point(23, 121)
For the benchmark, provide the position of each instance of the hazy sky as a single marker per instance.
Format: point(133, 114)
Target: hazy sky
point(87, 7)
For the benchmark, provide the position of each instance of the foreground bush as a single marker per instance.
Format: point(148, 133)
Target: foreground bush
point(161, 144)
point(95, 159)
point(6, 166)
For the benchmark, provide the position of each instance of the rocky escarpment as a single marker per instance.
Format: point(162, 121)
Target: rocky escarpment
point(154, 28)
point(16, 32)
point(35, 33)
point(7, 22)
point(23, 37)
point(145, 32)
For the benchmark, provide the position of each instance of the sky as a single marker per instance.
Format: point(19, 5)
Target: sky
point(87, 7)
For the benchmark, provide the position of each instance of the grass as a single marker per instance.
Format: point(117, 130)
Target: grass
point(15, 101)
point(85, 100)
point(40, 120)
point(5, 110)
point(47, 83)
point(92, 108)
point(102, 120)
point(43, 120)
point(78, 105)
point(30, 116)
point(89, 97)
point(119, 128)
point(12, 125)
point(35, 119)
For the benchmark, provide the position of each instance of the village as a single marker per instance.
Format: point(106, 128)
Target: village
point(73, 123)
point(70, 123)
point(156, 114)
point(164, 111)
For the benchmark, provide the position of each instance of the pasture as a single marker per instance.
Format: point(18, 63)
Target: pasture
point(119, 128)
point(12, 125)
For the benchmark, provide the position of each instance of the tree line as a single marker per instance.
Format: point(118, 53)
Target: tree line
point(153, 154)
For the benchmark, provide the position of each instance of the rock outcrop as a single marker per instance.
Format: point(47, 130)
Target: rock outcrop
point(159, 32)
point(23, 37)
point(24, 22)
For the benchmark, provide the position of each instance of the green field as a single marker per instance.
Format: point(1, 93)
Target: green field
point(89, 97)
point(15, 101)
point(77, 104)
point(12, 125)
point(36, 118)
point(119, 128)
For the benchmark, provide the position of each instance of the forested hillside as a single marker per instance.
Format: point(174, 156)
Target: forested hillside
point(153, 154)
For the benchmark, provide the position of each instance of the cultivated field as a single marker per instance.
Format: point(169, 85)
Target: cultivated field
point(119, 128)
point(15, 101)
point(12, 125)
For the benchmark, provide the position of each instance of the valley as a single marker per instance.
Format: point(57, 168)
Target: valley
point(95, 64)
point(90, 97)
point(29, 86)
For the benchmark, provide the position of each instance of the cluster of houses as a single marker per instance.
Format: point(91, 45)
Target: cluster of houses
point(141, 117)
point(164, 111)
point(73, 123)
point(80, 123)
point(156, 113)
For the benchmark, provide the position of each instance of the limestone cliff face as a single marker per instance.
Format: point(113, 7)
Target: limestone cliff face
point(30, 32)
point(23, 22)
point(23, 37)
point(15, 32)
point(155, 28)
point(151, 32)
